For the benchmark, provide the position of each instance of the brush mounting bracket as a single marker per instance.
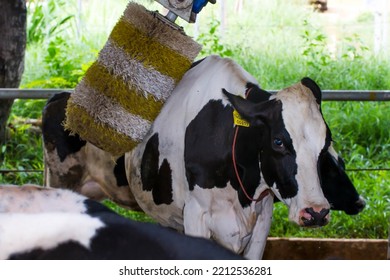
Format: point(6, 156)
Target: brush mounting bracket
point(185, 9)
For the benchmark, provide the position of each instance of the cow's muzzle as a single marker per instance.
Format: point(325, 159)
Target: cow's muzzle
point(360, 204)
point(312, 218)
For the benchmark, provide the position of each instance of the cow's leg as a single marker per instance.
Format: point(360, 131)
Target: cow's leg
point(195, 217)
point(93, 190)
point(256, 245)
point(109, 175)
point(224, 224)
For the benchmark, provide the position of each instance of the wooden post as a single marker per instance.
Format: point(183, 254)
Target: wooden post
point(12, 49)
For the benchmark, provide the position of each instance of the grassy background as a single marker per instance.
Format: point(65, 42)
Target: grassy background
point(278, 42)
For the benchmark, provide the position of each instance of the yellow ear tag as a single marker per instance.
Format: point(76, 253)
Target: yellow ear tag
point(238, 120)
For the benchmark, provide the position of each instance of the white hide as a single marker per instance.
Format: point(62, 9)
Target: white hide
point(35, 199)
point(45, 231)
point(308, 133)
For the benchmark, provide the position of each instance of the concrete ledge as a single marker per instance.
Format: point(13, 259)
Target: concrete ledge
point(325, 249)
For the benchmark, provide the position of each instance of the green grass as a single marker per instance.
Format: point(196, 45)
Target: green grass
point(23, 151)
point(135, 215)
point(278, 42)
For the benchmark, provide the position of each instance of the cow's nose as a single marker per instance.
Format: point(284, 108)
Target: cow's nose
point(312, 217)
point(360, 204)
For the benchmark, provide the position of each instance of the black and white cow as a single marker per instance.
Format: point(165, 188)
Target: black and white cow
point(197, 171)
point(75, 164)
point(187, 157)
point(45, 223)
point(78, 165)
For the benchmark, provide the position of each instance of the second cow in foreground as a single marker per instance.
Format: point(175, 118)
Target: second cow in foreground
point(45, 224)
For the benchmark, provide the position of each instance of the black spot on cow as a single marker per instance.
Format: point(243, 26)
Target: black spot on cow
point(155, 178)
point(71, 179)
point(120, 172)
point(208, 151)
point(247, 157)
point(64, 251)
point(280, 167)
point(337, 187)
point(54, 135)
point(315, 89)
point(196, 63)
point(149, 165)
point(94, 208)
point(256, 94)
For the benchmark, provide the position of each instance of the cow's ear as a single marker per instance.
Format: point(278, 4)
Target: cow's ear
point(315, 89)
point(255, 113)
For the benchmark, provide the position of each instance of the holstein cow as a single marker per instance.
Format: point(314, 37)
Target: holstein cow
point(78, 165)
point(205, 135)
point(43, 223)
point(213, 160)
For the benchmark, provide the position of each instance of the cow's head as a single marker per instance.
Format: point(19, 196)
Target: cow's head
point(294, 136)
point(336, 185)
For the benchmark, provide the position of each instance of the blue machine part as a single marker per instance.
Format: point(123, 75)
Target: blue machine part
point(198, 5)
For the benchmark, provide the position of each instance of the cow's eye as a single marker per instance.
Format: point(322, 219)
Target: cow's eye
point(278, 142)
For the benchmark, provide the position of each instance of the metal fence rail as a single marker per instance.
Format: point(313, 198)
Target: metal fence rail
point(327, 95)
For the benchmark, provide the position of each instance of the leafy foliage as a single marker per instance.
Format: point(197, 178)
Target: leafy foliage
point(22, 152)
point(211, 41)
point(45, 19)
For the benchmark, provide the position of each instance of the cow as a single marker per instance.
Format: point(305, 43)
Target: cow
point(337, 187)
point(334, 182)
point(75, 164)
point(46, 223)
point(213, 160)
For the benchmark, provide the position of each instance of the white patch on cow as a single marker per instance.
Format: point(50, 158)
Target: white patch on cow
point(20, 232)
point(35, 199)
point(333, 152)
point(217, 214)
point(307, 130)
point(256, 246)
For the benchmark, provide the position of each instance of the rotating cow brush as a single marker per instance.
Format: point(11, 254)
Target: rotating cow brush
point(123, 91)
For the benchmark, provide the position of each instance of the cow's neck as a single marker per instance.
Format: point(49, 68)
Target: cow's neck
point(247, 148)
